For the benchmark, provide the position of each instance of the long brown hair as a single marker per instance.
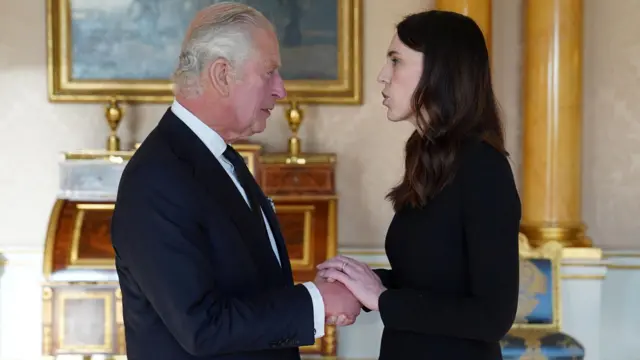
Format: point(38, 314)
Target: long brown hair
point(455, 92)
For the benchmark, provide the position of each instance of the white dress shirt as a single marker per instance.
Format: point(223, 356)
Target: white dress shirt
point(217, 146)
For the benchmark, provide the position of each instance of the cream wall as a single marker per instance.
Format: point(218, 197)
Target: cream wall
point(370, 149)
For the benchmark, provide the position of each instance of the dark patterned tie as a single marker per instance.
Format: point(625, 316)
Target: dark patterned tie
point(247, 182)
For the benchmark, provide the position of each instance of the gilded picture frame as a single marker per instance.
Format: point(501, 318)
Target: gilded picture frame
point(77, 38)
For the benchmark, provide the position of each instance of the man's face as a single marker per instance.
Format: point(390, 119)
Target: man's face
point(258, 84)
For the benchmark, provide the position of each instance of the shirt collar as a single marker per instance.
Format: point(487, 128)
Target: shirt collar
point(207, 135)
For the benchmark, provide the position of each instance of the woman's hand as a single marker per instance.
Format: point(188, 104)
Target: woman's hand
point(356, 276)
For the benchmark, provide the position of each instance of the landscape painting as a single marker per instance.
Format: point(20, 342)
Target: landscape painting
point(129, 48)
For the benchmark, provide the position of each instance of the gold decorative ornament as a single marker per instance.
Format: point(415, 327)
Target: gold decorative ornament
point(114, 114)
point(567, 234)
point(294, 155)
point(294, 117)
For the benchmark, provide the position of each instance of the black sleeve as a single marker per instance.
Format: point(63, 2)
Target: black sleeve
point(386, 276)
point(161, 243)
point(491, 220)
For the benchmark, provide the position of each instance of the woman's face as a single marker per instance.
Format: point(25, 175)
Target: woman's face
point(400, 76)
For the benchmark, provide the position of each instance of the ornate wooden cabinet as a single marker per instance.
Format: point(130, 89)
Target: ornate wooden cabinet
point(82, 303)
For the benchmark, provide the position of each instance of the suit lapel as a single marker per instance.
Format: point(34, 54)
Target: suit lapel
point(285, 265)
point(221, 189)
point(277, 234)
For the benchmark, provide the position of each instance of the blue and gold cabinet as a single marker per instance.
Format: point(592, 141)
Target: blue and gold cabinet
point(536, 333)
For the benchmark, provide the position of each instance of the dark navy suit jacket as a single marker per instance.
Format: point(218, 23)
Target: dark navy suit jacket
point(199, 279)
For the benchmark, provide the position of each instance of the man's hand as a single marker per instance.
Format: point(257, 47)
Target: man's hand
point(341, 307)
point(358, 278)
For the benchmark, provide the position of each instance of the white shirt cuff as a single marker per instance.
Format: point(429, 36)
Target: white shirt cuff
point(318, 309)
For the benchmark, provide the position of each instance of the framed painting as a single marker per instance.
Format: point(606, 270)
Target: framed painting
point(128, 49)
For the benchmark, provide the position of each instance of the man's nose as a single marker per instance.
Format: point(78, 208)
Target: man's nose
point(279, 92)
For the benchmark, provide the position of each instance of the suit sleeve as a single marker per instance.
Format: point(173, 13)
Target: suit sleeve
point(491, 220)
point(159, 240)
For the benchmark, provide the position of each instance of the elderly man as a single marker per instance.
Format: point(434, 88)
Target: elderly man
point(202, 264)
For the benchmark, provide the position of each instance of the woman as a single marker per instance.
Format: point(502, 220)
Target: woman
point(452, 289)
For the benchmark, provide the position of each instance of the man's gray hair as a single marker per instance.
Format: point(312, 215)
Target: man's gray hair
point(221, 33)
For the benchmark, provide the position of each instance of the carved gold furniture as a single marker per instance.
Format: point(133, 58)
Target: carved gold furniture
point(81, 298)
point(536, 333)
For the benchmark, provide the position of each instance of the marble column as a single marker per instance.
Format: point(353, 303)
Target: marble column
point(478, 10)
point(552, 133)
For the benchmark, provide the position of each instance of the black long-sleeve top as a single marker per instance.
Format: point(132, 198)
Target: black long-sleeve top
point(453, 284)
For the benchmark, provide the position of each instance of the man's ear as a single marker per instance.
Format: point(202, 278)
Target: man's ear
point(220, 74)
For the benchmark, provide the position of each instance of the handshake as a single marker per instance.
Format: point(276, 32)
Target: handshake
point(346, 285)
